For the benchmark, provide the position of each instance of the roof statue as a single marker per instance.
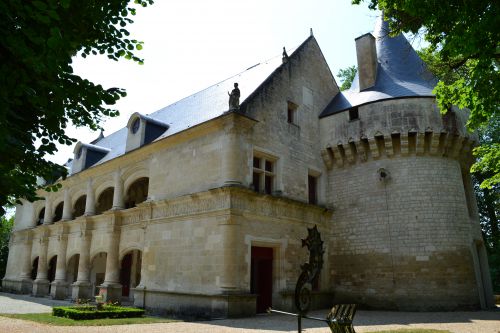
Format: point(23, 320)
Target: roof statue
point(285, 56)
point(234, 98)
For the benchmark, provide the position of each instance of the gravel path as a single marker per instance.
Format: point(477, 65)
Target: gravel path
point(365, 321)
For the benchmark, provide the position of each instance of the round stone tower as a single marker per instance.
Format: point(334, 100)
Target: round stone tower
point(405, 231)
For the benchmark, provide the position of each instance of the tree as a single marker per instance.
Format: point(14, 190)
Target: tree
point(5, 229)
point(487, 197)
point(346, 76)
point(465, 35)
point(40, 94)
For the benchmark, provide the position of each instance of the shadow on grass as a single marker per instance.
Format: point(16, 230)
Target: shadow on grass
point(47, 318)
point(283, 323)
point(31, 299)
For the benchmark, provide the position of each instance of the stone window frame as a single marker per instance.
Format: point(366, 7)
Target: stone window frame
point(268, 167)
point(353, 113)
point(313, 172)
point(292, 113)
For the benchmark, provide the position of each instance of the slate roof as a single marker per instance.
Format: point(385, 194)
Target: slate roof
point(400, 73)
point(198, 108)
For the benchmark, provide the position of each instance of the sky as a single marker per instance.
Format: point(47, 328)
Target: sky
point(191, 44)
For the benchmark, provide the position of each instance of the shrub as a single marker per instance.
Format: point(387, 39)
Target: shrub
point(90, 312)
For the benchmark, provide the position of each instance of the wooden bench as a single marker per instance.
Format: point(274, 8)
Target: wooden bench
point(340, 318)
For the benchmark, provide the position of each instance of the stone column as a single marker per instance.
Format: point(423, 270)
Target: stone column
point(82, 289)
point(25, 277)
point(231, 156)
point(140, 290)
point(111, 289)
point(90, 199)
point(67, 208)
point(118, 192)
point(41, 283)
point(59, 287)
point(229, 246)
point(48, 217)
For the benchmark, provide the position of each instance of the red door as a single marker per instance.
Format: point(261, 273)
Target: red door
point(261, 277)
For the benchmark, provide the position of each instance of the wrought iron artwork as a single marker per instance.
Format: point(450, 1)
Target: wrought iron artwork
point(310, 270)
point(340, 317)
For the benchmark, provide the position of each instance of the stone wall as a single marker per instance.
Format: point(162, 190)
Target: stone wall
point(405, 221)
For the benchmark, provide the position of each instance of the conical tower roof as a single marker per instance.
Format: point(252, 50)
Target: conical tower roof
point(400, 73)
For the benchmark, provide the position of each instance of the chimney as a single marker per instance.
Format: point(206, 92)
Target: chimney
point(366, 51)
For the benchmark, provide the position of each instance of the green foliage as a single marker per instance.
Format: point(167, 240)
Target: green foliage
point(484, 171)
point(465, 37)
point(346, 76)
point(91, 312)
point(5, 230)
point(40, 94)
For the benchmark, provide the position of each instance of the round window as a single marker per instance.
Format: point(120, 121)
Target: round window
point(135, 125)
point(79, 153)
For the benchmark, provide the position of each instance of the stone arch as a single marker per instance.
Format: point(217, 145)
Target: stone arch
point(51, 252)
point(130, 270)
point(58, 212)
point(102, 186)
point(97, 269)
point(128, 249)
point(70, 254)
point(104, 200)
point(39, 218)
point(34, 267)
point(76, 194)
point(137, 192)
point(132, 174)
point(51, 268)
point(96, 251)
point(72, 265)
point(79, 206)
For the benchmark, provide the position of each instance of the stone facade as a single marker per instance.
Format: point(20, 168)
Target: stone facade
point(176, 224)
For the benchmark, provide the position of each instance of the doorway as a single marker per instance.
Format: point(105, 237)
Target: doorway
point(261, 277)
point(130, 272)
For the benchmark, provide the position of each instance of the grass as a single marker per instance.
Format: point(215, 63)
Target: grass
point(412, 330)
point(48, 318)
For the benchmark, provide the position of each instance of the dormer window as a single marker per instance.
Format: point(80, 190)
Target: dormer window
point(143, 130)
point(87, 155)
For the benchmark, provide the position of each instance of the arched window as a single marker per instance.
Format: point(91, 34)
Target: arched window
point(137, 192)
point(58, 212)
point(79, 208)
point(105, 201)
point(41, 217)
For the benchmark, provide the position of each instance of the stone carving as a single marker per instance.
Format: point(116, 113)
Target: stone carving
point(234, 98)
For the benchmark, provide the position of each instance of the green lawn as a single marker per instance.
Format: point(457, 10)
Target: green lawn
point(48, 318)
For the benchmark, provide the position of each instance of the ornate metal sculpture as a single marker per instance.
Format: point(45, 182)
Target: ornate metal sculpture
point(341, 315)
point(310, 270)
